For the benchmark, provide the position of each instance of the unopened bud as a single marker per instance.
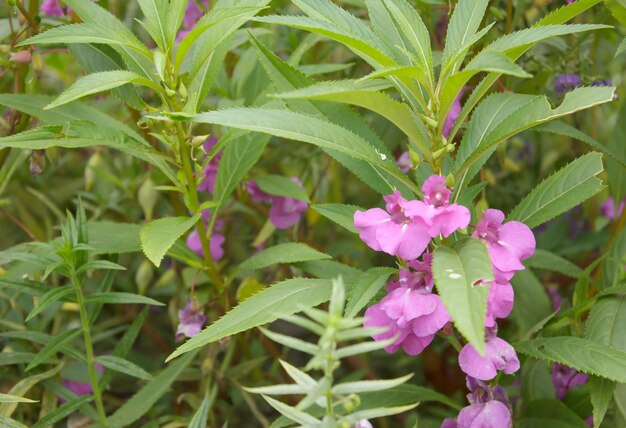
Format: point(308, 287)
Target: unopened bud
point(182, 89)
point(90, 175)
point(450, 181)
point(170, 92)
point(481, 206)
point(510, 165)
point(430, 122)
point(450, 148)
point(147, 197)
point(37, 162)
point(416, 159)
point(489, 177)
point(144, 276)
point(22, 57)
point(352, 403)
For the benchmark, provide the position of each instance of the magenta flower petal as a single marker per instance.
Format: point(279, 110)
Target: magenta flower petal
point(286, 212)
point(414, 345)
point(407, 241)
point(52, 8)
point(375, 317)
point(453, 115)
point(492, 414)
point(435, 191)
point(215, 244)
point(499, 302)
point(449, 219)
point(499, 355)
point(519, 238)
point(449, 423)
point(191, 321)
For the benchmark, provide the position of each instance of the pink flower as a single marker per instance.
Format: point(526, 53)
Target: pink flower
point(565, 378)
point(499, 355)
point(404, 162)
point(492, 414)
point(52, 8)
point(284, 212)
point(507, 244)
point(409, 310)
point(393, 231)
point(215, 244)
point(80, 388)
point(193, 13)
point(499, 302)
point(607, 209)
point(436, 211)
point(191, 321)
point(453, 115)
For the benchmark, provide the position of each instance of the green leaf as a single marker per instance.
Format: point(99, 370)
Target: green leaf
point(543, 259)
point(536, 381)
point(99, 265)
point(49, 298)
point(11, 423)
point(6, 398)
point(123, 366)
point(621, 48)
point(140, 403)
point(238, 158)
point(463, 25)
point(616, 172)
point(568, 187)
point(581, 354)
point(23, 386)
point(281, 186)
point(601, 392)
point(10, 358)
point(158, 236)
point(199, 419)
point(365, 288)
point(567, 12)
point(89, 33)
point(295, 126)
point(53, 346)
point(359, 387)
point(341, 214)
point(158, 13)
point(285, 298)
point(286, 78)
point(99, 82)
point(282, 253)
point(62, 411)
point(461, 275)
point(532, 304)
point(531, 111)
point(549, 413)
point(121, 298)
point(114, 238)
point(292, 413)
point(562, 128)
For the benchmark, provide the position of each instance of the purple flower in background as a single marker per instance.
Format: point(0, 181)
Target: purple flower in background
point(52, 8)
point(209, 173)
point(193, 13)
point(607, 209)
point(393, 231)
point(602, 82)
point(565, 378)
point(410, 310)
point(499, 355)
point(453, 115)
point(191, 321)
point(499, 302)
point(556, 298)
point(570, 1)
point(404, 162)
point(363, 423)
point(566, 82)
point(80, 388)
point(284, 211)
point(215, 244)
point(507, 244)
point(436, 211)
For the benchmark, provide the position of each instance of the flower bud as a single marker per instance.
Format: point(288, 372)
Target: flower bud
point(21, 57)
point(450, 181)
point(352, 403)
point(90, 176)
point(147, 197)
point(144, 276)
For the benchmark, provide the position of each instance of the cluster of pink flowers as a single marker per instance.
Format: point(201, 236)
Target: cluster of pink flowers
point(489, 407)
point(53, 8)
point(413, 314)
point(284, 211)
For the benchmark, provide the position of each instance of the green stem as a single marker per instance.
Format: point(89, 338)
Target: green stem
point(93, 378)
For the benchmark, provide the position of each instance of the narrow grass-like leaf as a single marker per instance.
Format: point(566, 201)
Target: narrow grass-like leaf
point(140, 403)
point(100, 265)
point(10, 358)
point(62, 411)
point(199, 419)
point(53, 346)
point(284, 298)
point(159, 235)
point(369, 385)
point(23, 386)
point(463, 25)
point(49, 298)
point(292, 342)
point(123, 366)
point(583, 355)
point(461, 276)
point(568, 187)
point(11, 423)
point(7, 398)
point(282, 253)
point(292, 413)
point(121, 298)
point(378, 412)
